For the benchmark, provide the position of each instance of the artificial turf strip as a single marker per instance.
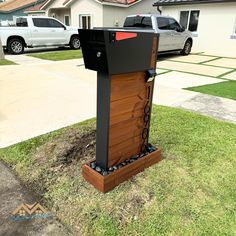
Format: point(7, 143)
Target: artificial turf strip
point(192, 191)
point(225, 89)
point(4, 62)
point(58, 56)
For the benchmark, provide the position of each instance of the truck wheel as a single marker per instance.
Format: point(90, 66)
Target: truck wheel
point(75, 42)
point(187, 48)
point(15, 46)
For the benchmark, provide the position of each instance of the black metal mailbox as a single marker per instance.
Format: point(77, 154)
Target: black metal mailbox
point(116, 51)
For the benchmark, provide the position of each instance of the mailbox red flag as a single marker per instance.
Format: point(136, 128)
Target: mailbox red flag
point(125, 35)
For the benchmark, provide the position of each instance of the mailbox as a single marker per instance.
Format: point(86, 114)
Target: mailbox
point(125, 62)
point(116, 52)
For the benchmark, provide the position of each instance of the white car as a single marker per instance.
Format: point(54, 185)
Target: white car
point(173, 36)
point(38, 31)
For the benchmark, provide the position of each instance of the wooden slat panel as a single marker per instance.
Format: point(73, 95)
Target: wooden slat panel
point(125, 130)
point(124, 150)
point(114, 119)
point(126, 105)
point(128, 99)
point(127, 85)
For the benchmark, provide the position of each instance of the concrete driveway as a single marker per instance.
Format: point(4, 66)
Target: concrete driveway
point(39, 96)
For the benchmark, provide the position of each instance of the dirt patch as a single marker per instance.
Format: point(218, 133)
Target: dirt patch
point(62, 155)
point(68, 148)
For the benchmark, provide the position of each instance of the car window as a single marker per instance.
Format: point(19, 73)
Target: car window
point(55, 24)
point(41, 22)
point(163, 23)
point(138, 21)
point(173, 24)
point(21, 22)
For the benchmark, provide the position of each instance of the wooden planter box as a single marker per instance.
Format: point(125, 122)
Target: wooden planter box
point(107, 183)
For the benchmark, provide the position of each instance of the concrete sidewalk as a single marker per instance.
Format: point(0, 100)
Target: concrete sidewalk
point(169, 92)
point(13, 194)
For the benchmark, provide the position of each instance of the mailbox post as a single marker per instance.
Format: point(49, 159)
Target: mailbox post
point(125, 62)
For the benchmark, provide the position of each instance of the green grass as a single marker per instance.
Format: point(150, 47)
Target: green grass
point(5, 62)
point(192, 191)
point(58, 56)
point(225, 89)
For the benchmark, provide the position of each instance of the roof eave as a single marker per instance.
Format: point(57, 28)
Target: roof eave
point(37, 11)
point(16, 9)
point(45, 4)
point(190, 3)
point(109, 3)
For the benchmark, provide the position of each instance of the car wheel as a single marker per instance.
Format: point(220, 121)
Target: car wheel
point(187, 48)
point(75, 42)
point(15, 46)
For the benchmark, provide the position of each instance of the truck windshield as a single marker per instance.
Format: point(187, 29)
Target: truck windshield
point(138, 21)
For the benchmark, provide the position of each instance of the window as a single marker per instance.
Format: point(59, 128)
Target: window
point(67, 20)
point(54, 24)
point(189, 19)
point(167, 23)
point(40, 22)
point(47, 23)
point(85, 21)
point(173, 24)
point(163, 23)
point(138, 21)
point(21, 22)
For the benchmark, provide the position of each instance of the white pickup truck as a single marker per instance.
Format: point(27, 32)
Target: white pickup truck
point(38, 31)
point(173, 36)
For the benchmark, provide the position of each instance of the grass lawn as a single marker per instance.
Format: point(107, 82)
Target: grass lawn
point(223, 89)
point(58, 56)
point(5, 62)
point(192, 191)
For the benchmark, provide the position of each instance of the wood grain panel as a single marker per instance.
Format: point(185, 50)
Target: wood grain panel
point(128, 99)
point(129, 104)
point(124, 150)
point(125, 130)
point(121, 117)
point(127, 85)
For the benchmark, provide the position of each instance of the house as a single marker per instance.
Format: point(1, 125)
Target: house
point(12, 8)
point(35, 10)
point(213, 22)
point(95, 13)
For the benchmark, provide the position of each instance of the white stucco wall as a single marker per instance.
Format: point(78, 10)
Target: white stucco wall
point(215, 27)
point(113, 15)
point(90, 7)
point(59, 13)
point(56, 4)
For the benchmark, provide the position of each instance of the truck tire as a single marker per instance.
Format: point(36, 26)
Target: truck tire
point(15, 46)
point(187, 48)
point(75, 42)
